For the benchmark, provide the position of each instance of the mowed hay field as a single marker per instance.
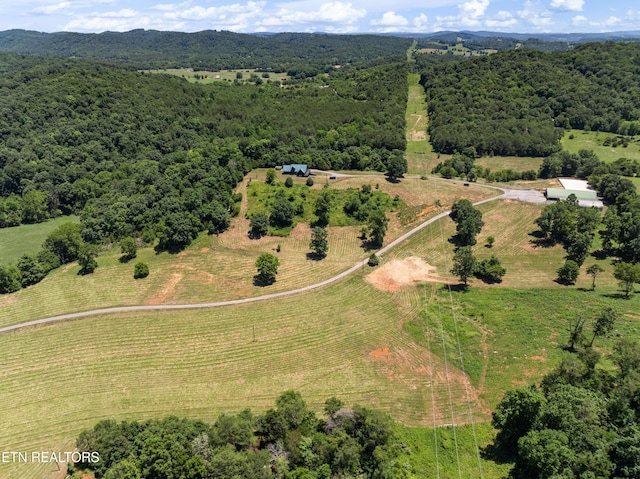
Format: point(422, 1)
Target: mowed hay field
point(345, 340)
point(220, 268)
point(511, 223)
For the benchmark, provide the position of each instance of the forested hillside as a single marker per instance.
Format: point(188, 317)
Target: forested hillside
point(518, 102)
point(140, 154)
point(297, 53)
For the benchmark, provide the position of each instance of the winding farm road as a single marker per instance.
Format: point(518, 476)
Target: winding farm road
point(522, 195)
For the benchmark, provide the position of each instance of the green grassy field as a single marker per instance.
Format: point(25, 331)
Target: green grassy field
point(206, 76)
point(593, 140)
point(18, 240)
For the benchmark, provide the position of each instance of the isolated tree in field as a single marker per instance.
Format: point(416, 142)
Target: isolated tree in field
point(490, 241)
point(271, 176)
point(377, 227)
point(464, 263)
point(267, 265)
point(397, 166)
point(594, 270)
point(490, 270)
point(288, 182)
point(627, 275)
point(604, 323)
point(128, 247)
point(568, 272)
point(468, 222)
point(576, 332)
point(319, 244)
point(140, 270)
point(259, 225)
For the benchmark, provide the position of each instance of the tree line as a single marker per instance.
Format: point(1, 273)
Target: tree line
point(288, 441)
point(581, 420)
point(299, 54)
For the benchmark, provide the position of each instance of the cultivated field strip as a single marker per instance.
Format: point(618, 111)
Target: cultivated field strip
point(60, 378)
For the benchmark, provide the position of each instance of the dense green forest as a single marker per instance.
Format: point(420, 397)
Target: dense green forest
point(288, 441)
point(518, 102)
point(582, 422)
point(300, 54)
point(153, 156)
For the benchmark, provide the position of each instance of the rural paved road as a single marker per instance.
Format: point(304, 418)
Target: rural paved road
point(522, 195)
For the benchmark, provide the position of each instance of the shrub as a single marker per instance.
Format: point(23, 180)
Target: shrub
point(569, 272)
point(288, 182)
point(140, 270)
point(309, 182)
point(373, 260)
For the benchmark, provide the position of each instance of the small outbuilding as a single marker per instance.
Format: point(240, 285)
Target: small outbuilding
point(296, 169)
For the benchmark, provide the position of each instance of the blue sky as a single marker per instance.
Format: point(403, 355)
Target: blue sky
point(334, 16)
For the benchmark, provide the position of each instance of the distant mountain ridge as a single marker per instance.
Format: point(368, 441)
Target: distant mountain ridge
point(207, 49)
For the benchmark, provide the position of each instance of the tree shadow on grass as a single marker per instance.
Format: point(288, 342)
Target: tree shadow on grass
point(315, 256)
point(539, 239)
point(618, 295)
point(124, 259)
point(262, 282)
point(497, 454)
point(392, 180)
point(456, 288)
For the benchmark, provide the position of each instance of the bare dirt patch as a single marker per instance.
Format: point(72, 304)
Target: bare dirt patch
point(398, 273)
point(168, 289)
point(419, 369)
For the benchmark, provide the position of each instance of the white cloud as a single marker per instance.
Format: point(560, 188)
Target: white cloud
point(536, 15)
point(502, 20)
point(49, 9)
point(469, 15)
point(473, 10)
point(420, 23)
point(391, 19)
point(331, 12)
point(609, 22)
point(578, 20)
point(117, 21)
point(571, 5)
point(224, 12)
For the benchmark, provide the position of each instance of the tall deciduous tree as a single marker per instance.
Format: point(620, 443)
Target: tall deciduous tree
point(319, 244)
point(377, 227)
point(323, 206)
point(604, 323)
point(267, 265)
point(594, 270)
point(464, 263)
point(259, 225)
point(468, 222)
point(65, 242)
point(627, 275)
